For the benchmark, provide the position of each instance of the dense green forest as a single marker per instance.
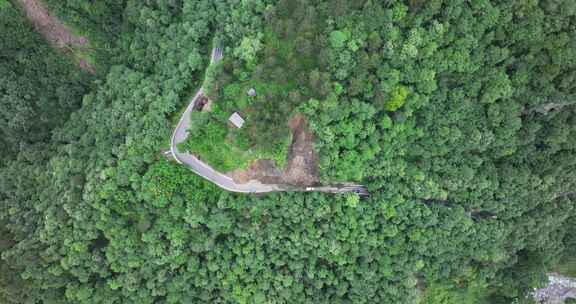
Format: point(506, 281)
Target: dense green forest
point(102, 22)
point(29, 66)
point(459, 116)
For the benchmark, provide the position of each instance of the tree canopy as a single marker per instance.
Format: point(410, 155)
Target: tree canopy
point(459, 116)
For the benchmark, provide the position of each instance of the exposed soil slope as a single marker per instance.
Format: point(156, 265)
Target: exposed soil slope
point(302, 164)
point(54, 30)
point(302, 167)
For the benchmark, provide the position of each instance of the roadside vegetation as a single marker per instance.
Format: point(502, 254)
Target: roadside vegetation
point(567, 267)
point(284, 66)
point(566, 264)
point(458, 115)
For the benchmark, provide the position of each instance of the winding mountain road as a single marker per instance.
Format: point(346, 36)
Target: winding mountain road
point(197, 166)
point(181, 133)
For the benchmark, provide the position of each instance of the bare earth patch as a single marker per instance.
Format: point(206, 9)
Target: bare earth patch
point(54, 30)
point(302, 165)
point(203, 104)
point(261, 170)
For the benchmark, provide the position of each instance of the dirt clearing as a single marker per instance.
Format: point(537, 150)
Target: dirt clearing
point(302, 164)
point(54, 30)
point(302, 167)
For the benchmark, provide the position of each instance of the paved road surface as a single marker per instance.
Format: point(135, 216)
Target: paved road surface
point(223, 181)
point(199, 167)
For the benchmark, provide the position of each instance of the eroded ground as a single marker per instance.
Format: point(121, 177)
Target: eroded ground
point(302, 164)
point(53, 30)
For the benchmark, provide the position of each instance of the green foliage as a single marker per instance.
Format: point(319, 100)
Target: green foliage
point(101, 23)
point(282, 64)
point(567, 267)
point(248, 50)
point(471, 179)
point(39, 87)
point(397, 99)
point(208, 139)
point(438, 294)
point(338, 39)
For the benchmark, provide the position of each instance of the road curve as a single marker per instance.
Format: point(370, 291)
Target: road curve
point(181, 133)
point(197, 166)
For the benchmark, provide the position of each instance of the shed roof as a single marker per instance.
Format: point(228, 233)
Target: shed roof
point(236, 120)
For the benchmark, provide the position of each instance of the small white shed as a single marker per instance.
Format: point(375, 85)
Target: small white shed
point(236, 120)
